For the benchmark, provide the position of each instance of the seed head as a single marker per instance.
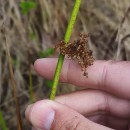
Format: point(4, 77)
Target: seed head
point(77, 50)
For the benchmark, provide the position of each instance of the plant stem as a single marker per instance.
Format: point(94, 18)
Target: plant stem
point(31, 94)
point(13, 83)
point(66, 39)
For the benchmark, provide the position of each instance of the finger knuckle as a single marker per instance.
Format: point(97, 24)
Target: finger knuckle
point(70, 124)
point(104, 74)
point(73, 124)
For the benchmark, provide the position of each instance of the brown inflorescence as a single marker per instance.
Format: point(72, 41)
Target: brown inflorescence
point(77, 50)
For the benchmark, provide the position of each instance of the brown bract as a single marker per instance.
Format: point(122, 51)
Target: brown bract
point(77, 50)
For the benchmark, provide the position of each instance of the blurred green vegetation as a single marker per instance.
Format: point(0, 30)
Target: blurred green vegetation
point(27, 6)
point(48, 52)
point(2, 122)
point(49, 83)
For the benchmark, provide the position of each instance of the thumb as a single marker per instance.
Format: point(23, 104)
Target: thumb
point(49, 115)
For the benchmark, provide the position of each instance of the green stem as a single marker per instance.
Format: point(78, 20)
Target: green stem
point(31, 86)
point(66, 39)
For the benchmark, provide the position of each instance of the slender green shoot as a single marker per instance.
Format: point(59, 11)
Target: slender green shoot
point(3, 125)
point(66, 39)
point(31, 86)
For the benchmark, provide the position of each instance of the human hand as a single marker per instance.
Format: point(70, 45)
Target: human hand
point(105, 100)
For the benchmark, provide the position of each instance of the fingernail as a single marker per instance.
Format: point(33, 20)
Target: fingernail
point(49, 121)
point(42, 116)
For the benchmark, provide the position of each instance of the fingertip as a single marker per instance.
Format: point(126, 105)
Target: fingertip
point(41, 115)
point(27, 111)
point(45, 67)
point(41, 66)
point(37, 63)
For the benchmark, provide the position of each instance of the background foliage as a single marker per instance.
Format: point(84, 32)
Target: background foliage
point(33, 28)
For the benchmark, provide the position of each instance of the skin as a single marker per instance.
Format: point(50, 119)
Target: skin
point(102, 104)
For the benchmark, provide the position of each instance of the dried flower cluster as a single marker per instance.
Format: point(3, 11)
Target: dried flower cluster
point(77, 50)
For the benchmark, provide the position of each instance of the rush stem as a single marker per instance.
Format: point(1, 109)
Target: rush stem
point(66, 39)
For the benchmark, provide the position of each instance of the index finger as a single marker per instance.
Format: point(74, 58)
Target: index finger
point(110, 76)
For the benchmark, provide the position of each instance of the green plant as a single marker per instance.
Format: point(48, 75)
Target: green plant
point(66, 39)
point(49, 83)
point(27, 6)
point(46, 53)
point(2, 122)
